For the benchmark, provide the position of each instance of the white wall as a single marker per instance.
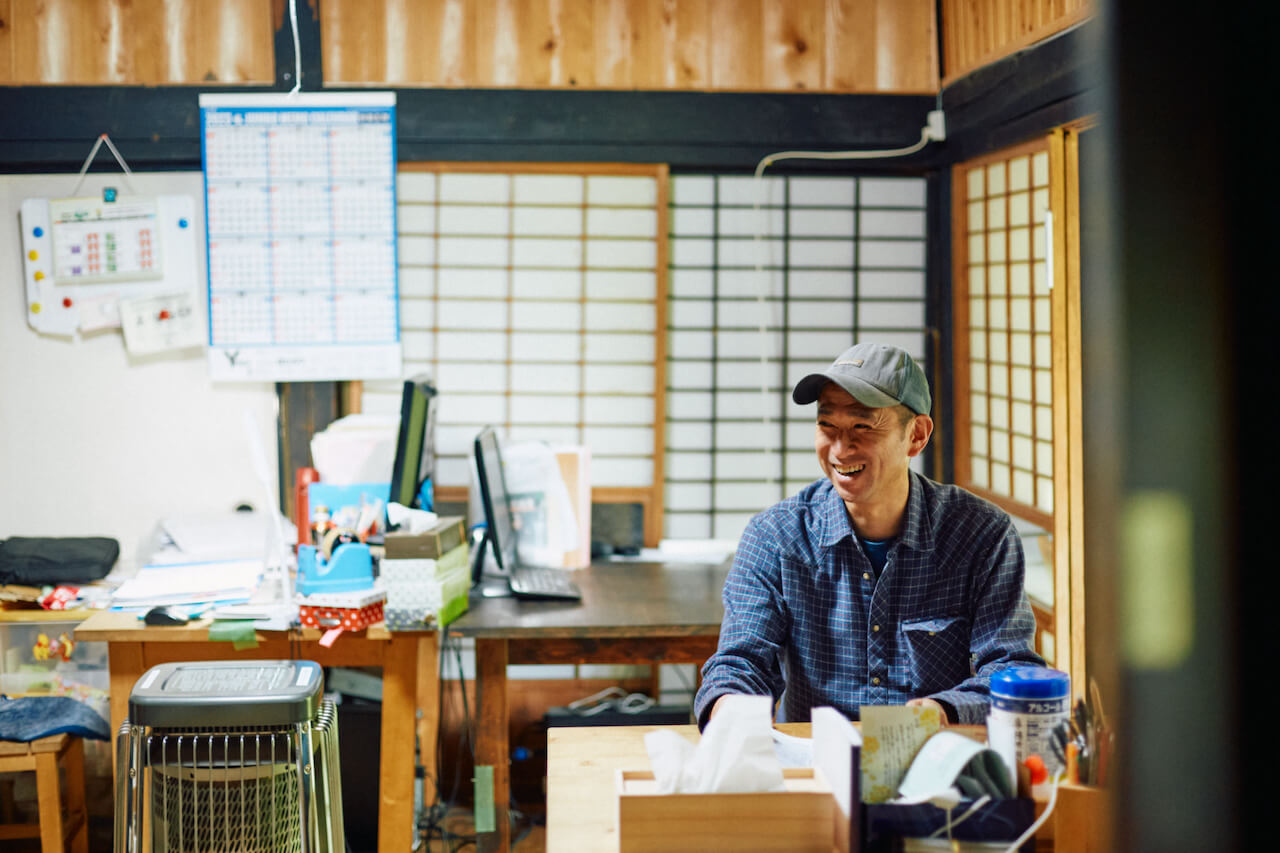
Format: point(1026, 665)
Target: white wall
point(96, 442)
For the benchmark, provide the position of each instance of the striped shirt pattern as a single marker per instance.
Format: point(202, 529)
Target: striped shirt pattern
point(804, 610)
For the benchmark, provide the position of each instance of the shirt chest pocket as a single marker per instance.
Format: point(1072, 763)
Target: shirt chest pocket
point(937, 652)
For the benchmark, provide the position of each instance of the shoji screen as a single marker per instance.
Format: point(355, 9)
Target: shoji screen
point(769, 281)
point(531, 294)
point(1004, 326)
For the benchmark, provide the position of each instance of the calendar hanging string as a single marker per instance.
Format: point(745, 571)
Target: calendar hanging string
point(102, 137)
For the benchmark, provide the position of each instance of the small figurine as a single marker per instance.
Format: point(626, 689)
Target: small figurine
point(321, 523)
point(46, 649)
point(63, 647)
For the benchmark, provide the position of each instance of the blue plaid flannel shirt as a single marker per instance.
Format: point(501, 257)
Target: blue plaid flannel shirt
point(804, 610)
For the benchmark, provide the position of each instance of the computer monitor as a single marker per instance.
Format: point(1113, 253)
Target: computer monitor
point(500, 534)
point(413, 475)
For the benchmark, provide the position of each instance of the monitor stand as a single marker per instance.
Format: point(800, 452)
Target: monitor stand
point(491, 584)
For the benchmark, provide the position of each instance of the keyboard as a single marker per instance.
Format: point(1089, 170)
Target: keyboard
point(532, 582)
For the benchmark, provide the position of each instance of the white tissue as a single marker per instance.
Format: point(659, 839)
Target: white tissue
point(407, 520)
point(735, 755)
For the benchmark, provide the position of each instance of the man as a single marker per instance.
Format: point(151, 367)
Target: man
point(876, 585)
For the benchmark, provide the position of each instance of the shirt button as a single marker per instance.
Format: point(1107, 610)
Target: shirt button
point(875, 680)
point(875, 627)
point(933, 633)
point(866, 576)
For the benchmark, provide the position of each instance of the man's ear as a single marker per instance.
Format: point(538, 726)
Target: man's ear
point(919, 431)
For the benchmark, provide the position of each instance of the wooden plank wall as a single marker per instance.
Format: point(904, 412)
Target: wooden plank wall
point(721, 45)
point(146, 42)
point(701, 45)
point(976, 32)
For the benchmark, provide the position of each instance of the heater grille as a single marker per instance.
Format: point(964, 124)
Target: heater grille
point(240, 789)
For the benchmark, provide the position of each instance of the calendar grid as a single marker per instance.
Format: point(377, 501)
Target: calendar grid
point(300, 206)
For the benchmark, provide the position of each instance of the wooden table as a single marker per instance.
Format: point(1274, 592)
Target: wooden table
point(631, 612)
point(409, 681)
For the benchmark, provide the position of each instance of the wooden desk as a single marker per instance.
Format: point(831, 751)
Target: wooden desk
point(407, 660)
point(631, 612)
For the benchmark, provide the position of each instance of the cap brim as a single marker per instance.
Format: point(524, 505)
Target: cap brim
point(808, 390)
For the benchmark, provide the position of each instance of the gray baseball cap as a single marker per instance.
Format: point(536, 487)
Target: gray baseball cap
point(876, 375)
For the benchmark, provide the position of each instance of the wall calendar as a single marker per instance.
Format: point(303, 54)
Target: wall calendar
point(300, 205)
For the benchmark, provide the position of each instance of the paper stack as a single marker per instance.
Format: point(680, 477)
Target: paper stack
point(205, 583)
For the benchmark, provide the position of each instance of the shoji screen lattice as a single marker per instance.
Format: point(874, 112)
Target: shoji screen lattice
point(1004, 322)
point(758, 298)
point(530, 292)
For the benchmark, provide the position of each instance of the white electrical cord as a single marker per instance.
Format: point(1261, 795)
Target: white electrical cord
point(927, 134)
point(1039, 822)
point(968, 813)
point(770, 159)
point(297, 51)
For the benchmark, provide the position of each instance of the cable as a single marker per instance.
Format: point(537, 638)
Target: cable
point(968, 813)
point(1039, 822)
point(770, 159)
point(432, 824)
point(297, 51)
point(927, 133)
point(466, 711)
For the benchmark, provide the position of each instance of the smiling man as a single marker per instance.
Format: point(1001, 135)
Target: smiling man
point(875, 585)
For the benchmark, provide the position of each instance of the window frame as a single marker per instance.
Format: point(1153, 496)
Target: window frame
point(1065, 522)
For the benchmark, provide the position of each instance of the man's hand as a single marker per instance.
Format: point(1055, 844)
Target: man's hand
point(926, 702)
point(716, 706)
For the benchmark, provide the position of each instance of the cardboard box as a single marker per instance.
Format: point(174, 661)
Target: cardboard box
point(349, 610)
point(426, 593)
point(575, 469)
point(449, 532)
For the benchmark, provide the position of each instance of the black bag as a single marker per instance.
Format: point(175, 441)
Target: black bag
point(45, 561)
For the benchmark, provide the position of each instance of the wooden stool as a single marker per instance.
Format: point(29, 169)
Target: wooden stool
point(44, 756)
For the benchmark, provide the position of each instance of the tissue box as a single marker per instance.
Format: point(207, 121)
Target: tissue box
point(350, 610)
point(426, 593)
point(448, 533)
point(803, 817)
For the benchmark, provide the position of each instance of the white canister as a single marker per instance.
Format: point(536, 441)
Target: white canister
point(1027, 704)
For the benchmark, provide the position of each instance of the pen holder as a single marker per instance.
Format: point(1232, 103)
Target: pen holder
point(1081, 821)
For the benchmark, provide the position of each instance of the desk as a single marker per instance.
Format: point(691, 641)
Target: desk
point(133, 648)
point(631, 612)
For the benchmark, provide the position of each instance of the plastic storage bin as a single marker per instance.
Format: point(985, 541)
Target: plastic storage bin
point(42, 658)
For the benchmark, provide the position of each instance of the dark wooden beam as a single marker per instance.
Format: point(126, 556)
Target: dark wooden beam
point(50, 129)
point(1024, 94)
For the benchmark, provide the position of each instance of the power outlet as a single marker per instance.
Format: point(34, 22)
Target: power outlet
point(937, 126)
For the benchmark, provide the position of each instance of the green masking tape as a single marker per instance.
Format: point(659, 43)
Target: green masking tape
point(238, 632)
point(484, 799)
